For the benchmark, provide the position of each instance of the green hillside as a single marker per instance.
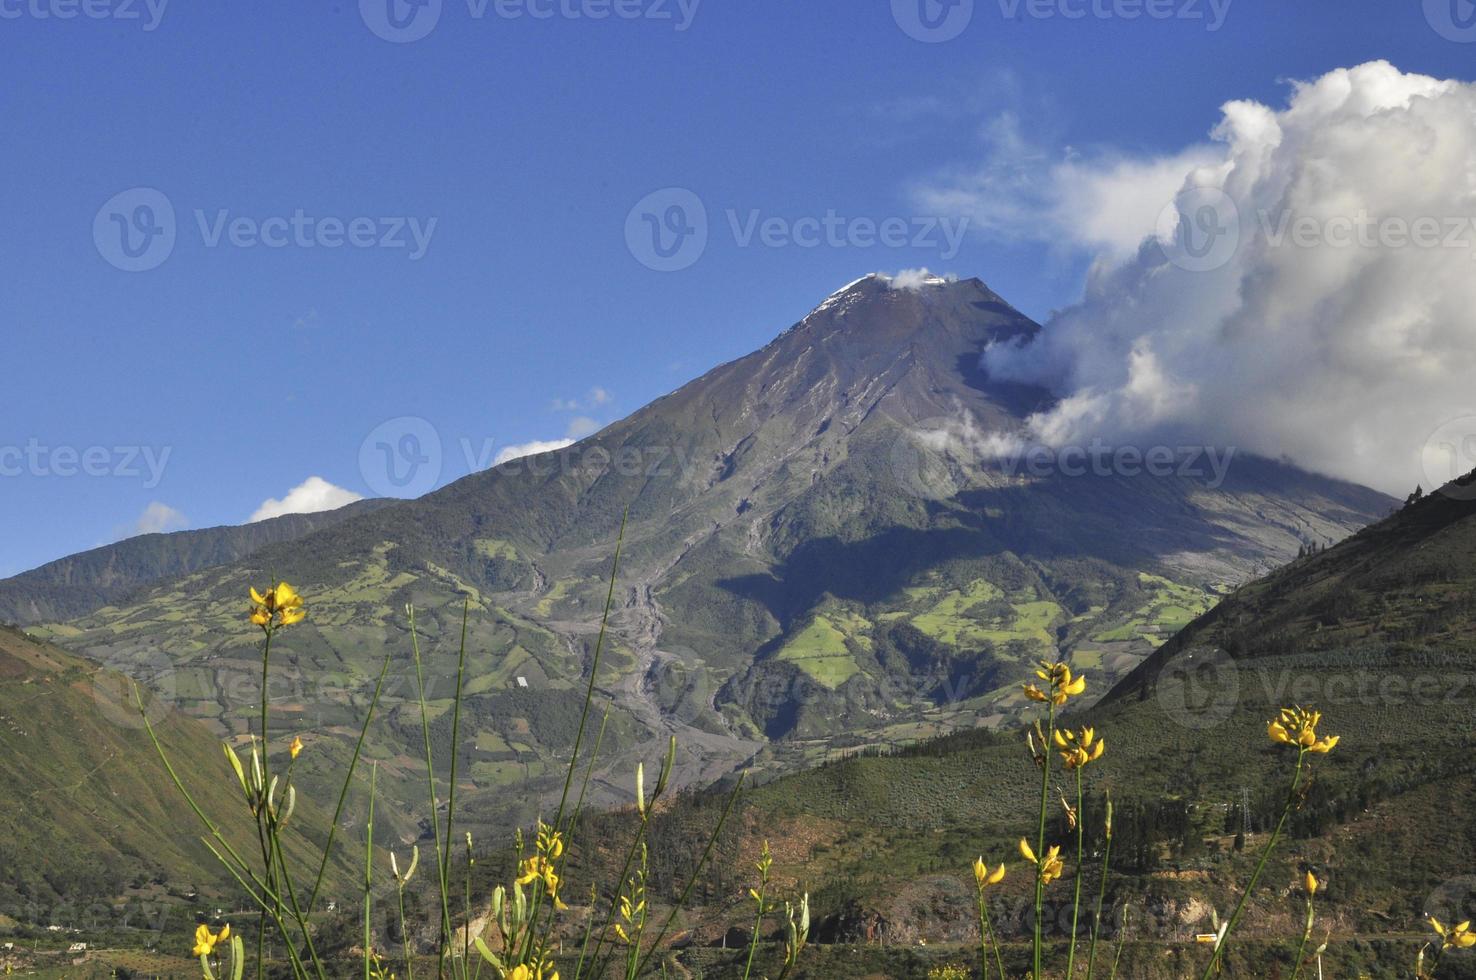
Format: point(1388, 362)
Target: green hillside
point(1379, 633)
point(92, 832)
point(78, 584)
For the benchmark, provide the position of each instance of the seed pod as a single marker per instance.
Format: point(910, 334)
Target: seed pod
point(667, 765)
point(641, 789)
point(291, 805)
point(236, 767)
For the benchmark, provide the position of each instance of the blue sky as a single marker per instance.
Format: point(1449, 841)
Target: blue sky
point(230, 372)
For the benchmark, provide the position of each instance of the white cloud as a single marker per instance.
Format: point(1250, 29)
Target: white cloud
point(1323, 332)
point(510, 453)
point(157, 518)
point(309, 497)
point(1023, 191)
point(915, 279)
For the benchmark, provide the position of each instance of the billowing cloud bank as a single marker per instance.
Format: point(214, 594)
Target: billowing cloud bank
point(1310, 292)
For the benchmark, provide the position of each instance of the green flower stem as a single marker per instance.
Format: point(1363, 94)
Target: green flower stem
point(692, 881)
point(1076, 904)
point(1101, 897)
point(347, 781)
point(1045, 795)
point(430, 778)
point(369, 869)
point(987, 933)
point(1306, 935)
point(405, 935)
point(1291, 799)
point(1121, 941)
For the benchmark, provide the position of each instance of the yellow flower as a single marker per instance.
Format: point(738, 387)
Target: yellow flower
point(281, 606)
point(550, 842)
point(1457, 936)
point(1297, 726)
point(540, 868)
point(206, 941)
point(1062, 685)
point(542, 970)
point(983, 877)
point(296, 748)
point(1049, 867)
point(1080, 747)
point(1206, 937)
point(1311, 884)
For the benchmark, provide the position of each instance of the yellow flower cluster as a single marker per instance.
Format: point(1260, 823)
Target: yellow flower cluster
point(542, 866)
point(983, 877)
point(1060, 685)
point(281, 606)
point(1457, 936)
point(206, 941)
point(1079, 748)
point(542, 970)
point(1296, 726)
point(1049, 866)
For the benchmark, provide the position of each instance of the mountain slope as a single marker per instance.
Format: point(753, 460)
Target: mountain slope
point(1377, 632)
point(90, 813)
point(822, 549)
point(78, 584)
